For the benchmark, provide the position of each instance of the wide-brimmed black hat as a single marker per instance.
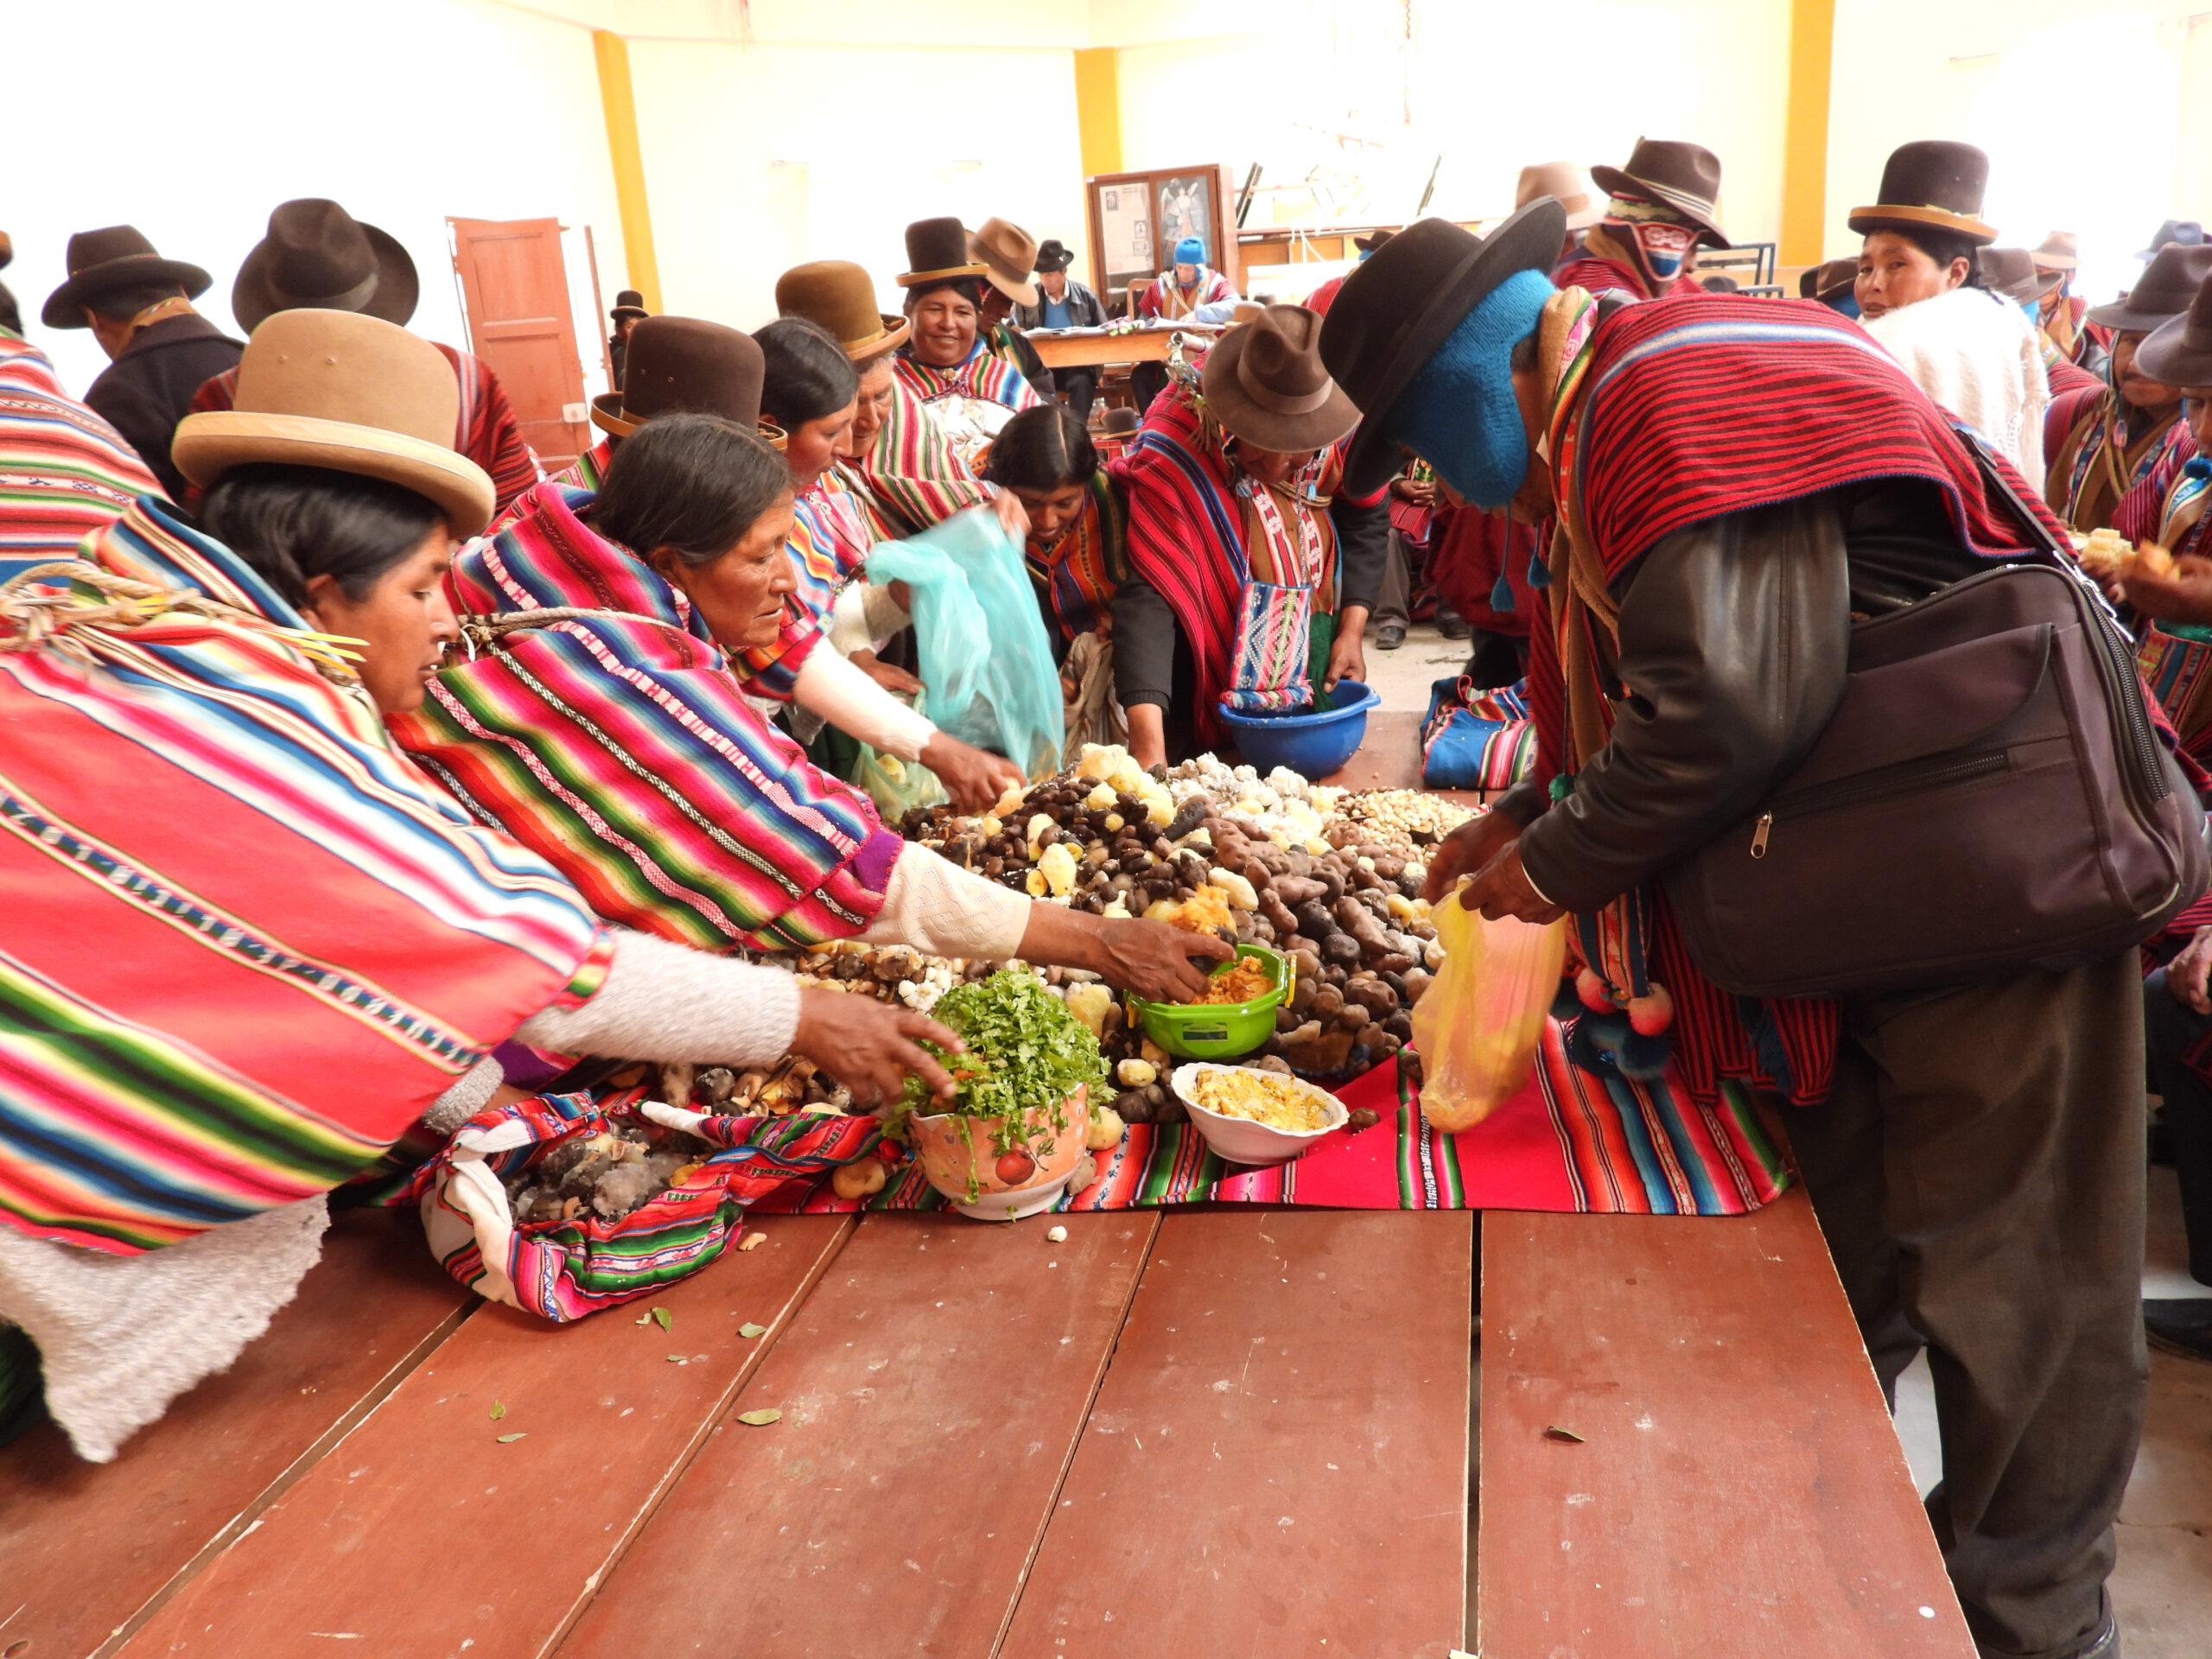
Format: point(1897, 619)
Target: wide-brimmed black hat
point(1052, 256)
point(318, 257)
point(2163, 292)
point(1403, 301)
point(2179, 351)
point(1930, 184)
point(1685, 177)
point(102, 261)
point(629, 303)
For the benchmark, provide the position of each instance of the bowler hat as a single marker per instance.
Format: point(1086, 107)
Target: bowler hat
point(1564, 183)
point(2012, 272)
point(2060, 251)
point(1395, 310)
point(936, 251)
point(350, 392)
point(1266, 383)
point(2165, 289)
point(319, 257)
point(1685, 177)
point(2179, 352)
point(102, 261)
point(1008, 254)
point(1052, 256)
point(1930, 184)
point(2187, 231)
point(629, 303)
point(1825, 281)
point(685, 366)
point(838, 295)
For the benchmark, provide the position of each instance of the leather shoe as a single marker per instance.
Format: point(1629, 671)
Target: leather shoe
point(2182, 1326)
point(1390, 637)
point(1452, 624)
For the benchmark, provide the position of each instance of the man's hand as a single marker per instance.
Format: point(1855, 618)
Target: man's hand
point(870, 1046)
point(1347, 652)
point(1154, 959)
point(2183, 594)
point(1465, 851)
point(889, 676)
point(1502, 888)
point(1012, 517)
point(2187, 974)
point(975, 778)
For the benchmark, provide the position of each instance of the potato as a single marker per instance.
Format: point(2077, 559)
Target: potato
point(860, 1178)
point(1326, 1003)
point(1106, 1130)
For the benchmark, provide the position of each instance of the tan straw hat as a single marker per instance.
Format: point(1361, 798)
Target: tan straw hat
point(1266, 383)
point(351, 392)
point(1008, 255)
point(2060, 251)
point(840, 296)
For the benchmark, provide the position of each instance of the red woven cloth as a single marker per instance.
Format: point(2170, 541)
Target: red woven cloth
point(1588, 271)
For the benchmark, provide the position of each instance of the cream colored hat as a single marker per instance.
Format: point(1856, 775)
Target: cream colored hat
point(348, 392)
point(1562, 181)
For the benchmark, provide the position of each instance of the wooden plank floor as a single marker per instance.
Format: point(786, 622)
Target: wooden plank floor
point(1737, 1492)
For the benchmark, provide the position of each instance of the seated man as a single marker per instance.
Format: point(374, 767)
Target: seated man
point(1062, 302)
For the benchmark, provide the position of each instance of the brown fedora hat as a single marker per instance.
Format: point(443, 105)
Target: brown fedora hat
point(102, 261)
point(936, 251)
point(1686, 177)
point(1564, 183)
point(1265, 382)
point(2060, 251)
point(2012, 272)
point(1823, 282)
point(1009, 254)
point(1395, 310)
point(1930, 184)
point(2164, 291)
point(839, 297)
point(2179, 352)
point(351, 392)
point(686, 366)
point(318, 257)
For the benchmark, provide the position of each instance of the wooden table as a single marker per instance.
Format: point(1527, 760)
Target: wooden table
point(1231, 1431)
point(1100, 349)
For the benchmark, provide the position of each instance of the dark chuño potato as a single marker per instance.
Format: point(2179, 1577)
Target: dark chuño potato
point(1340, 949)
point(1314, 921)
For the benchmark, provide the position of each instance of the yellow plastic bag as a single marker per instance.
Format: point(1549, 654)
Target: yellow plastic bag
point(1477, 1027)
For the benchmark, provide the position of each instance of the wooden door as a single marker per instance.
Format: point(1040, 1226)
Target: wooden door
point(516, 292)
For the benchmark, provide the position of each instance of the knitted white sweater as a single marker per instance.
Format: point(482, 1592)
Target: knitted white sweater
point(1975, 354)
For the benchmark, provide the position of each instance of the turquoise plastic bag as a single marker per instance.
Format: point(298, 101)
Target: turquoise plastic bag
point(984, 655)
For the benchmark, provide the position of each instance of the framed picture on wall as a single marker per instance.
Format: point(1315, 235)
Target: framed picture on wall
point(1137, 219)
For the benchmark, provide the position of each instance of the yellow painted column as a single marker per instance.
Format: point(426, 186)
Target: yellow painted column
point(1098, 109)
point(1805, 142)
point(620, 108)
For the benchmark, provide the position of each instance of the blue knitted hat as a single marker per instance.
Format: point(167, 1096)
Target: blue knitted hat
point(1190, 252)
point(1457, 412)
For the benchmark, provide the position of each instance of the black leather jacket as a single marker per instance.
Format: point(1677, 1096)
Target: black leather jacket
point(1733, 639)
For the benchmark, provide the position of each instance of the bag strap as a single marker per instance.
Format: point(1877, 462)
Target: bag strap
point(2001, 489)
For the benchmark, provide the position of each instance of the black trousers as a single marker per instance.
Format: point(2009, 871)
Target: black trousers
point(1078, 388)
point(1979, 1173)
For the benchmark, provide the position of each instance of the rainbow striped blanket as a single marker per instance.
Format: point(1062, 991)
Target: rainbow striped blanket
point(1568, 1141)
point(243, 944)
point(64, 472)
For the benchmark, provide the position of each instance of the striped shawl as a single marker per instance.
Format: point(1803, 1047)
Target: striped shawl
point(830, 541)
point(911, 477)
point(2100, 449)
point(980, 375)
point(621, 747)
point(1076, 578)
point(64, 472)
point(243, 944)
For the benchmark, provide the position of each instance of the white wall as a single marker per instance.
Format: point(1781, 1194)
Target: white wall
point(1342, 91)
point(192, 121)
point(760, 157)
point(2081, 108)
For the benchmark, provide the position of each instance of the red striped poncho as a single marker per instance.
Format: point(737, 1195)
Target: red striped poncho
point(829, 543)
point(486, 432)
point(911, 477)
point(1596, 273)
point(621, 749)
point(64, 472)
point(243, 944)
point(1195, 539)
point(1686, 410)
point(2100, 449)
point(1162, 298)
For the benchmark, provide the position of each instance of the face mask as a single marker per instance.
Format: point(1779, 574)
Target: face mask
point(1660, 242)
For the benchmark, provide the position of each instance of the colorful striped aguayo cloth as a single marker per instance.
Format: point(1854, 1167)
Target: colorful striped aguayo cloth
point(829, 541)
point(243, 944)
point(64, 472)
point(1475, 738)
point(1568, 1141)
point(911, 477)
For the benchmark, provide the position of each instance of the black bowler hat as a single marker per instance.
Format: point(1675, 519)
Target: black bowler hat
point(1402, 303)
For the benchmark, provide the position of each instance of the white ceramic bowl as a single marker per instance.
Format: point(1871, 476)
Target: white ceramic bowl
point(1242, 1140)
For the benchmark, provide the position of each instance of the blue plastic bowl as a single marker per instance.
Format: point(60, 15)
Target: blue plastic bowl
point(1312, 742)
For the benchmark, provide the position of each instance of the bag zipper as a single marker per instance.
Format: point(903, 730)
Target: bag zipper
point(1875, 786)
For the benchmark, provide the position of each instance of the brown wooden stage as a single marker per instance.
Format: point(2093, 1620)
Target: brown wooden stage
point(1199, 1432)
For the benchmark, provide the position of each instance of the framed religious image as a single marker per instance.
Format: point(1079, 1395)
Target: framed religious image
point(1137, 219)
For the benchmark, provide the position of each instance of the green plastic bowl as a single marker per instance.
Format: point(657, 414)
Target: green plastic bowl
point(1214, 1031)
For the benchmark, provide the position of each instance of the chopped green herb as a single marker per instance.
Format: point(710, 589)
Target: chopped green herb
point(662, 1318)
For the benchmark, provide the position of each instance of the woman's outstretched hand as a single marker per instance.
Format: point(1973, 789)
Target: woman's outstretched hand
point(870, 1046)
